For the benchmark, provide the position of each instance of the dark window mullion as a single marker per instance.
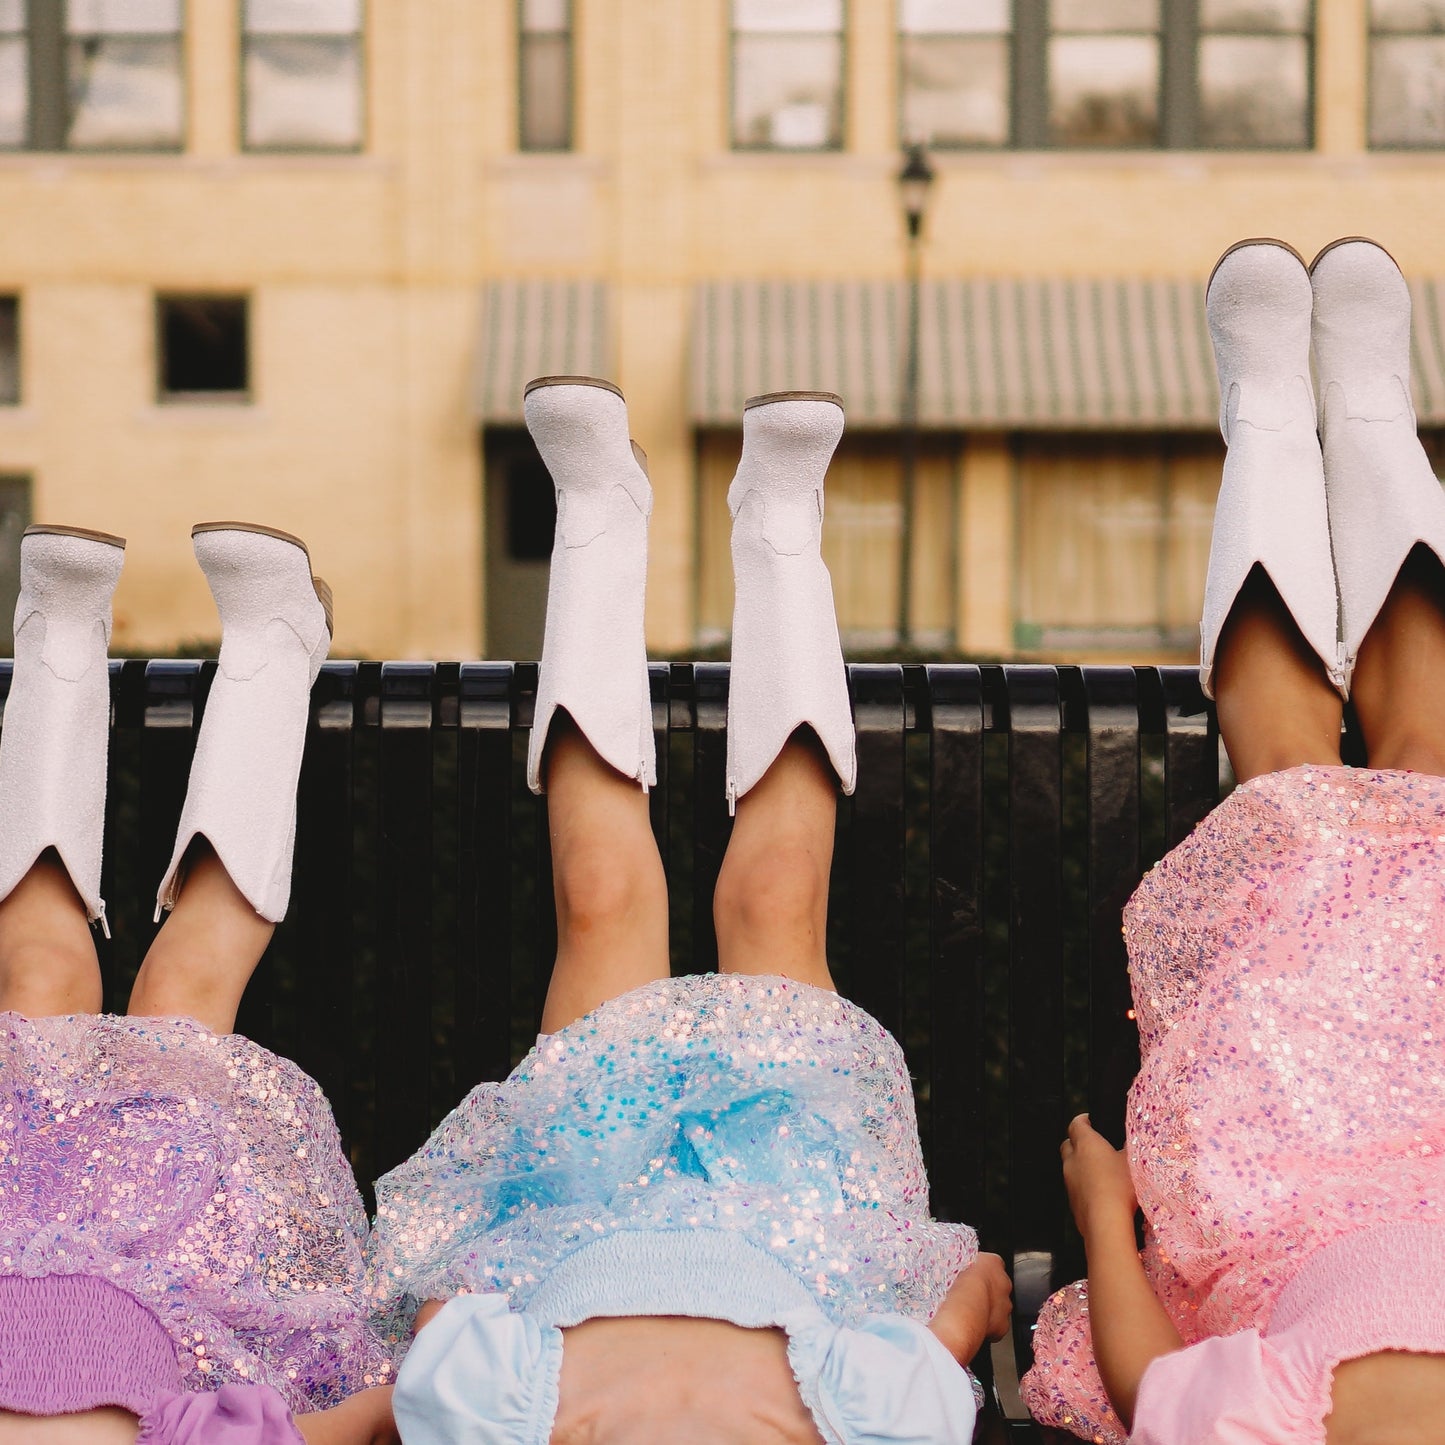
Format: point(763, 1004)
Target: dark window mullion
point(1031, 74)
point(1179, 76)
point(49, 103)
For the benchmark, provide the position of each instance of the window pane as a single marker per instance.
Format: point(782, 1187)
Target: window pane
point(1423, 15)
point(1253, 90)
point(124, 93)
point(14, 518)
point(1259, 15)
point(1104, 14)
point(303, 93)
point(1407, 91)
point(954, 17)
point(956, 91)
point(788, 15)
point(787, 91)
point(203, 344)
point(1194, 471)
point(9, 350)
point(303, 17)
point(123, 17)
point(1104, 90)
point(545, 15)
point(546, 100)
point(12, 15)
point(14, 91)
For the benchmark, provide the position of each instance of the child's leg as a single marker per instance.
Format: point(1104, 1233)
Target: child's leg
point(47, 956)
point(1277, 707)
point(607, 878)
point(1399, 681)
point(229, 880)
point(52, 772)
point(202, 959)
point(771, 903)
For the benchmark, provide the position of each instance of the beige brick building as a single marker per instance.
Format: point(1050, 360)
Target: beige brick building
point(291, 260)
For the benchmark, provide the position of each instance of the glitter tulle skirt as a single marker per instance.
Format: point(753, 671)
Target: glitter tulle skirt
point(725, 1102)
point(1288, 970)
point(203, 1176)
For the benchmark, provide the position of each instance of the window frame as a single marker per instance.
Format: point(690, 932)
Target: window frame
point(523, 37)
point(362, 37)
point(48, 116)
point(1178, 97)
point(844, 54)
point(227, 398)
point(1372, 34)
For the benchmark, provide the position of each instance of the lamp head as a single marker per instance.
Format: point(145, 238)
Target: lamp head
point(914, 181)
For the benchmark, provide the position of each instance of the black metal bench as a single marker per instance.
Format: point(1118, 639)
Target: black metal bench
point(1003, 816)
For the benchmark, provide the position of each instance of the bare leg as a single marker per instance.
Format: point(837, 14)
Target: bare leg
point(1397, 689)
point(202, 959)
point(47, 956)
point(771, 903)
point(607, 876)
point(1276, 706)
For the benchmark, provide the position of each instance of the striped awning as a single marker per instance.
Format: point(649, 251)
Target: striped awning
point(537, 328)
point(1033, 354)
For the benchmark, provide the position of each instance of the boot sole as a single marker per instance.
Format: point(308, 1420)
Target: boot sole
point(537, 383)
point(1346, 241)
point(1255, 241)
point(768, 397)
point(323, 589)
point(43, 529)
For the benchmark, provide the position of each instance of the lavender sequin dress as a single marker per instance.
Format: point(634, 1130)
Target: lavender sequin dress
point(1288, 968)
point(199, 1176)
point(725, 1107)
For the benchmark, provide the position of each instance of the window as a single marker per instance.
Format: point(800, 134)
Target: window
point(787, 74)
point(544, 75)
point(1113, 540)
point(91, 75)
point(302, 82)
point(861, 541)
point(1178, 74)
point(14, 519)
point(1407, 73)
point(954, 77)
point(9, 351)
point(204, 348)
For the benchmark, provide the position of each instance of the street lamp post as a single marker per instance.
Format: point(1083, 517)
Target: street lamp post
point(914, 181)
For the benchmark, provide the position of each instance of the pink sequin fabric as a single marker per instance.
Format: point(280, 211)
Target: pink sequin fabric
point(714, 1103)
point(201, 1175)
point(1288, 969)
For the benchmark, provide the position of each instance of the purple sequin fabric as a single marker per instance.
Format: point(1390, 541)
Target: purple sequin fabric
point(203, 1176)
point(716, 1101)
point(1288, 969)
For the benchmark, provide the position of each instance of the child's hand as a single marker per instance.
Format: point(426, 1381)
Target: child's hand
point(1101, 1191)
point(976, 1308)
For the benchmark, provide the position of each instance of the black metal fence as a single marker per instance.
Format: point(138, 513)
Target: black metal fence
point(1002, 818)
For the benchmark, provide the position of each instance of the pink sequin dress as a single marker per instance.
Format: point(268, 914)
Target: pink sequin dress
point(176, 1213)
point(1288, 969)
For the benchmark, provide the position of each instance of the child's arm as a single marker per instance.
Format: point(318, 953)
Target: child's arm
point(976, 1308)
point(362, 1419)
point(1130, 1327)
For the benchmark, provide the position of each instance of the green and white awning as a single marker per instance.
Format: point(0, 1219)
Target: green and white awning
point(537, 328)
point(1031, 354)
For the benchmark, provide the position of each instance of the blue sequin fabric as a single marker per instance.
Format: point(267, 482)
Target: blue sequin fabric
point(203, 1176)
point(711, 1102)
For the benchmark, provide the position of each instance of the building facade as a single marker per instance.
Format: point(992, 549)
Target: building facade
point(292, 260)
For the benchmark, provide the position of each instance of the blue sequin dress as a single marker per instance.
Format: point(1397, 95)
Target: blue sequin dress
point(771, 1121)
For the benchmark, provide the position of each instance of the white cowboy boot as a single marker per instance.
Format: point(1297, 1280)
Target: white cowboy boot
point(787, 661)
point(275, 633)
point(57, 718)
point(1383, 495)
point(594, 653)
point(1271, 509)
